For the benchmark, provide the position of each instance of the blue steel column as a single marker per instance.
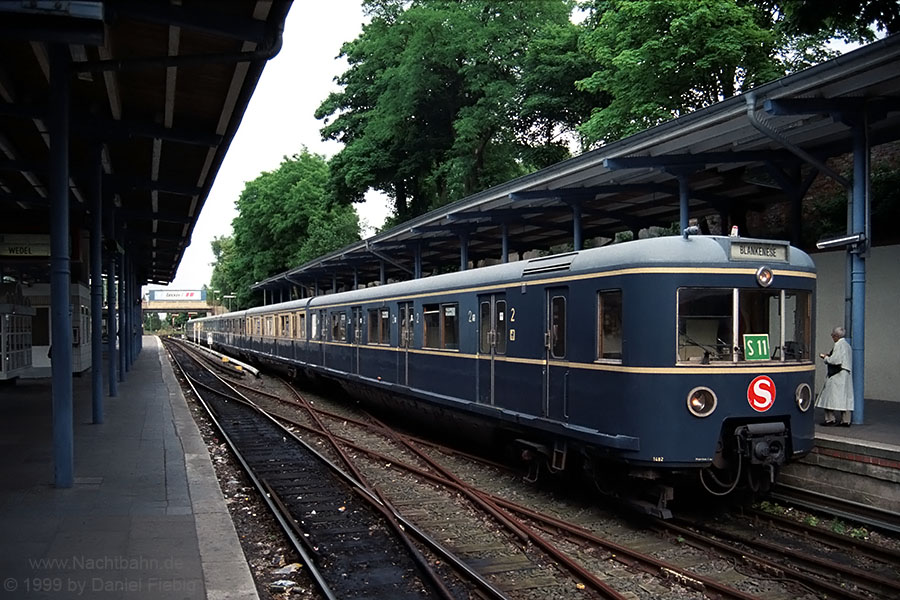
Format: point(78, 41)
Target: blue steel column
point(463, 251)
point(683, 205)
point(96, 287)
point(576, 226)
point(121, 315)
point(417, 265)
point(858, 269)
point(60, 315)
point(504, 243)
point(381, 275)
point(112, 320)
point(126, 311)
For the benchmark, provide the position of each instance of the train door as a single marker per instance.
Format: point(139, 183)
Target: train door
point(492, 319)
point(407, 316)
point(555, 372)
point(356, 325)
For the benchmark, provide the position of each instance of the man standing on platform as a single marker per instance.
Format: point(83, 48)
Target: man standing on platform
point(837, 395)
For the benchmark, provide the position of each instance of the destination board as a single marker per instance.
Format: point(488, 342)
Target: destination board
point(758, 251)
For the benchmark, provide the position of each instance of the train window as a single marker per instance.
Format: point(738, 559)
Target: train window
point(314, 334)
point(339, 327)
point(558, 327)
point(406, 324)
point(379, 326)
point(270, 326)
point(441, 326)
point(484, 328)
point(759, 314)
point(450, 327)
point(284, 328)
point(609, 325)
point(385, 328)
point(357, 323)
point(704, 324)
point(374, 322)
point(798, 322)
point(492, 326)
point(257, 325)
point(500, 326)
point(301, 326)
point(712, 323)
point(432, 314)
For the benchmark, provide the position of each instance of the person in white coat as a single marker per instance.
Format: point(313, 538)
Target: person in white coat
point(837, 395)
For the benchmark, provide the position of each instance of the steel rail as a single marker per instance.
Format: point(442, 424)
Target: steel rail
point(271, 496)
point(389, 511)
point(832, 590)
point(845, 509)
point(621, 553)
point(822, 567)
point(298, 542)
point(828, 537)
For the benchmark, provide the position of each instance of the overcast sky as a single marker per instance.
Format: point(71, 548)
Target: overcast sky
point(278, 122)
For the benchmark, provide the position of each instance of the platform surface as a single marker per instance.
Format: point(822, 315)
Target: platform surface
point(145, 518)
point(881, 426)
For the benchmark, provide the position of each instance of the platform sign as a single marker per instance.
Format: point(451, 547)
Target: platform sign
point(24, 245)
point(756, 346)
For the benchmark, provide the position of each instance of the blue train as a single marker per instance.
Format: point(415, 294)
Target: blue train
point(651, 360)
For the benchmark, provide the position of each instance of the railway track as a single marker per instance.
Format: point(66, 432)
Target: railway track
point(605, 566)
point(350, 543)
point(845, 509)
point(609, 567)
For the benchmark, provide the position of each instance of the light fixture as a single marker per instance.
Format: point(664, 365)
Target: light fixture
point(853, 239)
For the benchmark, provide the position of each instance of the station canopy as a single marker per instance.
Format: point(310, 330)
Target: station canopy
point(749, 151)
point(158, 89)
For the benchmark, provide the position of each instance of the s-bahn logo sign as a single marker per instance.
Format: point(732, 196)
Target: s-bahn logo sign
point(761, 393)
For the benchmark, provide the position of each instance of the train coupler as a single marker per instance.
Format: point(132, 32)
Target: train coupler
point(763, 443)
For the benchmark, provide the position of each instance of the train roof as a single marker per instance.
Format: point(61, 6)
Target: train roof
point(695, 250)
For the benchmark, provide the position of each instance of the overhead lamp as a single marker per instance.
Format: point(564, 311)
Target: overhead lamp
point(853, 239)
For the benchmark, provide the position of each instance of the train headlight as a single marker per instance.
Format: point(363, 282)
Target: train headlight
point(701, 401)
point(803, 396)
point(764, 276)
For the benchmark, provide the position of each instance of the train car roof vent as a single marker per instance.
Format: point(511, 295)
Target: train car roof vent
point(549, 264)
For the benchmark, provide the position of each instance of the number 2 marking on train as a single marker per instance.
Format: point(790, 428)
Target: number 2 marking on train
point(512, 314)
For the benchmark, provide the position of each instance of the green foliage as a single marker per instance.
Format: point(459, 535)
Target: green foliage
point(852, 19)
point(659, 59)
point(428, 109)
point(152, 322)
point(286, 218)
point(826, 214)
point(811, 520)
point(838, 526)
point(772, 508)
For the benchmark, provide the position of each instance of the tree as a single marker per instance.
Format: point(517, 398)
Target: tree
point(551, 106)
point(285, 218)
point(429, 104)
point(659, 59)
point(152, 322)
point(853, 19)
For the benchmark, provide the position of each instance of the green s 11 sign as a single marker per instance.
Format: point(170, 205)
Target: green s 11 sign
point(756, 346)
